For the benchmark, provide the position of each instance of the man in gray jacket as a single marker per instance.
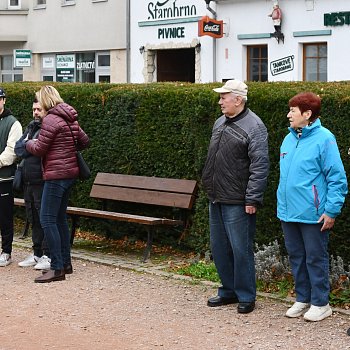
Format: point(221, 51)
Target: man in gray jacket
point(235, 177)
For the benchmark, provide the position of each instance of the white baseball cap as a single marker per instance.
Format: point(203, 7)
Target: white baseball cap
point(235, 86)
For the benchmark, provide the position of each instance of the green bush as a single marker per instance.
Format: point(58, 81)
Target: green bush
point(163, 129)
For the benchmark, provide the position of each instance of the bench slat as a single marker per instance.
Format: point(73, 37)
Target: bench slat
point(177, 200)
point(145, 220)
point(102, 214)
point(144, 182)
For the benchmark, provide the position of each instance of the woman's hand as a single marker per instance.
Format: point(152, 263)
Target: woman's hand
point(328, 222)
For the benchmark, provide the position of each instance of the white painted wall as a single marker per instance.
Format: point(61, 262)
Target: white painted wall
point(250, 17)
point(147, 36)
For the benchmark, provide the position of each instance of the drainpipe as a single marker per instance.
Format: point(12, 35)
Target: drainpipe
point(128, 23)
point(214, 39)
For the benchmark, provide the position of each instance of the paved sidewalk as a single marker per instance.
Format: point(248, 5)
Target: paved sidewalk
point(117, 302)
point(132, 262)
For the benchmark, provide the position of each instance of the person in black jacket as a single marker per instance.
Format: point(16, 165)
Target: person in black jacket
point(10, 131)
point(234, 178)
point(32, 191)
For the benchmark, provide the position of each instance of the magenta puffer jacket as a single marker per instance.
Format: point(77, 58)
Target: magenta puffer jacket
point(56, 145)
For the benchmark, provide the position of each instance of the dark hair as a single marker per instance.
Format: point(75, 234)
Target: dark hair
point(306, 101)
point(35, 100)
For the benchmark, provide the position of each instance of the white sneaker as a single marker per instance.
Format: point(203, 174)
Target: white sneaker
point(44, 263)
point(30, 260)
point(5, 259)
point(318, 313)
point(297, 309)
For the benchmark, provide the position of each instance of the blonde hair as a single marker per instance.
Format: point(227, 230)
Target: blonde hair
point(48, 97)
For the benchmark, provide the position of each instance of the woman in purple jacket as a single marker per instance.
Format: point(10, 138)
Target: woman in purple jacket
point(55, 145)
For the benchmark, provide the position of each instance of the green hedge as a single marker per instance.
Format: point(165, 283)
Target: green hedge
point(163, 129)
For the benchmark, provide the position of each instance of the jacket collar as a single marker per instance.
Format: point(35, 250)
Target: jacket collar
point(307, 130)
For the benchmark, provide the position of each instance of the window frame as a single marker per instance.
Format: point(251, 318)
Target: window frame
point(317, 58)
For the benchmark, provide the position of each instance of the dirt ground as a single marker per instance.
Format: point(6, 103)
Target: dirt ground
point(104, 307)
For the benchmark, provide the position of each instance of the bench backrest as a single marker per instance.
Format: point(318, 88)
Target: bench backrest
point(146, 190)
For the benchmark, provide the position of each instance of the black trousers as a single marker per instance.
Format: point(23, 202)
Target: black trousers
point(32, 197)
point(6, 216)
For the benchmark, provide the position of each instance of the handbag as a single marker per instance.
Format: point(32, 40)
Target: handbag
point(17, 183)
point(84, 170)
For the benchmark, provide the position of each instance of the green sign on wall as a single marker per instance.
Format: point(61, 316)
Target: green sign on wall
point(337, 18)
point(22, 58)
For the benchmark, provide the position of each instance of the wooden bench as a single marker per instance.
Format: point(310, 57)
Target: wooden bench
point(151, 191)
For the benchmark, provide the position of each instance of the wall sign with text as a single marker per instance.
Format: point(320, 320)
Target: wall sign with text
point(282, 65)
point(211, 27)
point(336, 18)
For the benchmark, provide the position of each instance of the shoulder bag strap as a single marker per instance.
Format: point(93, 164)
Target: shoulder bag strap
point(74, 140)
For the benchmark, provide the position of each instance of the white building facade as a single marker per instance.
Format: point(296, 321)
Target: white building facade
point(312, 44)
point(65, 40)
point(142, 41)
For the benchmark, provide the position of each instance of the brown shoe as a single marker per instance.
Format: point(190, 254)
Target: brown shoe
point(51, 276)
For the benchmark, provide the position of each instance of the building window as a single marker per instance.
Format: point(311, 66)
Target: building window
point(104, 79)
point(315, 62)
point(257, 63)
point(103, 60)
point(39, 4)
point(14, 4)
point(67, 2)
point(8, 73)
point(103, 69)
point(85, 67)
point(48, 78)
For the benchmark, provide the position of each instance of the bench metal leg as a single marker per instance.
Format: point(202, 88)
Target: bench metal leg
point(75, 224)
point(148, 248)
point(25, 230)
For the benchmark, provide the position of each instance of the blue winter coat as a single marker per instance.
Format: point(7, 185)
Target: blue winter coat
point(312, 176)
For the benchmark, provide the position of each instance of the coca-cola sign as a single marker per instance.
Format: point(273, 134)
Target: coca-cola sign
point(211, 27)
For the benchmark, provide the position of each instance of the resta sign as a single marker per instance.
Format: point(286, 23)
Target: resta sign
point(337, 18)
point(169, 9)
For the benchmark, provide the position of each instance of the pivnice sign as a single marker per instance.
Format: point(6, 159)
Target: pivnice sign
point(167, 9)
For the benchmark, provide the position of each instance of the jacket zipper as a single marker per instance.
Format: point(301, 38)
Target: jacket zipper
point(216, 153)
point(316, 199)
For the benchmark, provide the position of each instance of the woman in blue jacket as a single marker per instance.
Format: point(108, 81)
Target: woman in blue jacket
point(311, 193)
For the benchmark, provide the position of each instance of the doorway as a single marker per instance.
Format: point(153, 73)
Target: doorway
point(176, 65)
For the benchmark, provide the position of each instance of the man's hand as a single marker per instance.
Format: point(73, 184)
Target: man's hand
point(250, 209)
point(328, 222)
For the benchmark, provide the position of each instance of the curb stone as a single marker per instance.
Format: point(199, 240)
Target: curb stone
point(133, 264)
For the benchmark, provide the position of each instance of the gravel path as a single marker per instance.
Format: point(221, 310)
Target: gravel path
point(104, 307)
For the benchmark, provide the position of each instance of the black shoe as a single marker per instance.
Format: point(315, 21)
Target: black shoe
point(245, 308)
point(51, 276)
point(218, 301)
point(68, 269)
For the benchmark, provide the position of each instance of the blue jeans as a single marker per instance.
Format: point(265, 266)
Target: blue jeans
point(232, 234)
point(53, 219)
point(307, 248)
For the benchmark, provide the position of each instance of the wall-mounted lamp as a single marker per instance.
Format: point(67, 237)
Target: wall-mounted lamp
point(142, 49)
point(198, 47)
